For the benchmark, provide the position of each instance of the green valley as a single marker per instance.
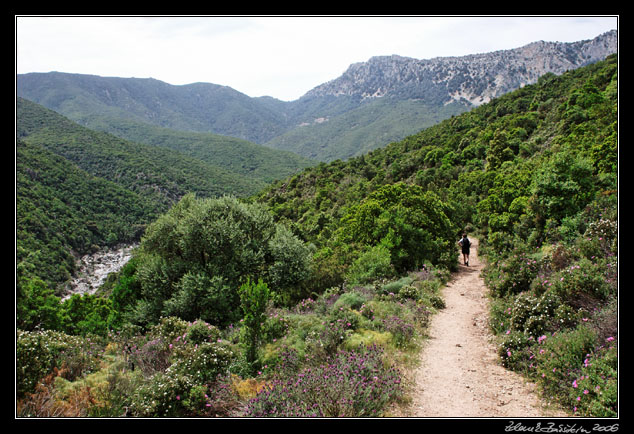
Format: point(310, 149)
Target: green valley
point(309, 296)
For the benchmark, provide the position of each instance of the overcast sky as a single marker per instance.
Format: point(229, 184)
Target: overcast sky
point(283, 57)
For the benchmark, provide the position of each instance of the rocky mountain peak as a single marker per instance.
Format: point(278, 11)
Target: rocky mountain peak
point(474, 79)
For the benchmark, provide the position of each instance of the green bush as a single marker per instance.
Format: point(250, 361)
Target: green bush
point(531, 314)
point(594, 393)
point(371, 265)
point(164, 395)
point(351, 300)
point(559, 358)
point(513, 275)
point(38, 353)
point(201, 362)
point(582, 279)
point(513, 350)
point(200, 332)
point(169, 329)
point(395, 286)
point(410, 222)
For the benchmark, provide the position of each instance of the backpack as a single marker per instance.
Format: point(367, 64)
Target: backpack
point(466, 243)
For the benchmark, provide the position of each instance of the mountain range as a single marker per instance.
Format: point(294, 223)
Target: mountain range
point(370, 105)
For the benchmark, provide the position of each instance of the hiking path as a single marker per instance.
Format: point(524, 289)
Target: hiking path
point(459, 374)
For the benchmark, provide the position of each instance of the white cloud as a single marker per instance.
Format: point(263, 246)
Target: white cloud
point(279, 56)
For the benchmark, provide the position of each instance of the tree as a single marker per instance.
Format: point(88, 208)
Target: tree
point(195, 257)
point(562, 186)
point(253, 300)
point(37, 306)
point(410, 222)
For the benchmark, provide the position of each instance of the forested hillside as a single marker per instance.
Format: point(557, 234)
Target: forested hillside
point(498, 168)
point(79, 190)
point(534, 173)
point(61, 209)
point(309, 298)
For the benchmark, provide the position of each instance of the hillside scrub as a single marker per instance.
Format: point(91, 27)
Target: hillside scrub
point(178, 368)
point(183, 334)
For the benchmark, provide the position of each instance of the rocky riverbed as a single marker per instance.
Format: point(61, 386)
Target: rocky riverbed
point(94, 269)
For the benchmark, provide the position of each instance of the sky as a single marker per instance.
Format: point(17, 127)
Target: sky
point(279, 56)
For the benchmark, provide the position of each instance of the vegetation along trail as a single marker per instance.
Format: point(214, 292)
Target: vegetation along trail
point(459, 374)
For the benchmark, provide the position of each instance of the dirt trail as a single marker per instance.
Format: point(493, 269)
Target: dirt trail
point(459, 374)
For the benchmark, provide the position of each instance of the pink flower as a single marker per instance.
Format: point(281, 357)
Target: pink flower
point(574, 384)
point(178, 397)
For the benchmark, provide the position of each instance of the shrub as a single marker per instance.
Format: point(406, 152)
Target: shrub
point(531, 314)
point(513, 350)
point(349, 384)
point(254, 298)
point(584, 284)
point(202, 362)
point(594, 393)
point(38, 353)
point(407, 220)
point(402, 331)
point(350, 300)
point(371, 265)
point(169, 330)
point(514, 275)
point(200, 332)
point(151, 357)
point(560, 356)
point(395, 287)
point(275, 326)
point(195, 257)
point(164, 395)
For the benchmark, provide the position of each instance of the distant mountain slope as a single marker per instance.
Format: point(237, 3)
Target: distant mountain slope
point(163, 173)
point(95, 101)
point(256, 162)
point(372, 104)
point(62, 211)
point(369, 126)
point(208, 164)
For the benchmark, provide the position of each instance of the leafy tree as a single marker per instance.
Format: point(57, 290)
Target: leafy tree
point(86, 314)
point(410, 222)
point(37, 306)
point(562, 186)
point(195, 257)
point(253, 301)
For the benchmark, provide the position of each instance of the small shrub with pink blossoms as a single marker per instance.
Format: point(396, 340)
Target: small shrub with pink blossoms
point(347, 384)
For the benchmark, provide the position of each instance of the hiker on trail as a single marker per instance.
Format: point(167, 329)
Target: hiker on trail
point(466, 244)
